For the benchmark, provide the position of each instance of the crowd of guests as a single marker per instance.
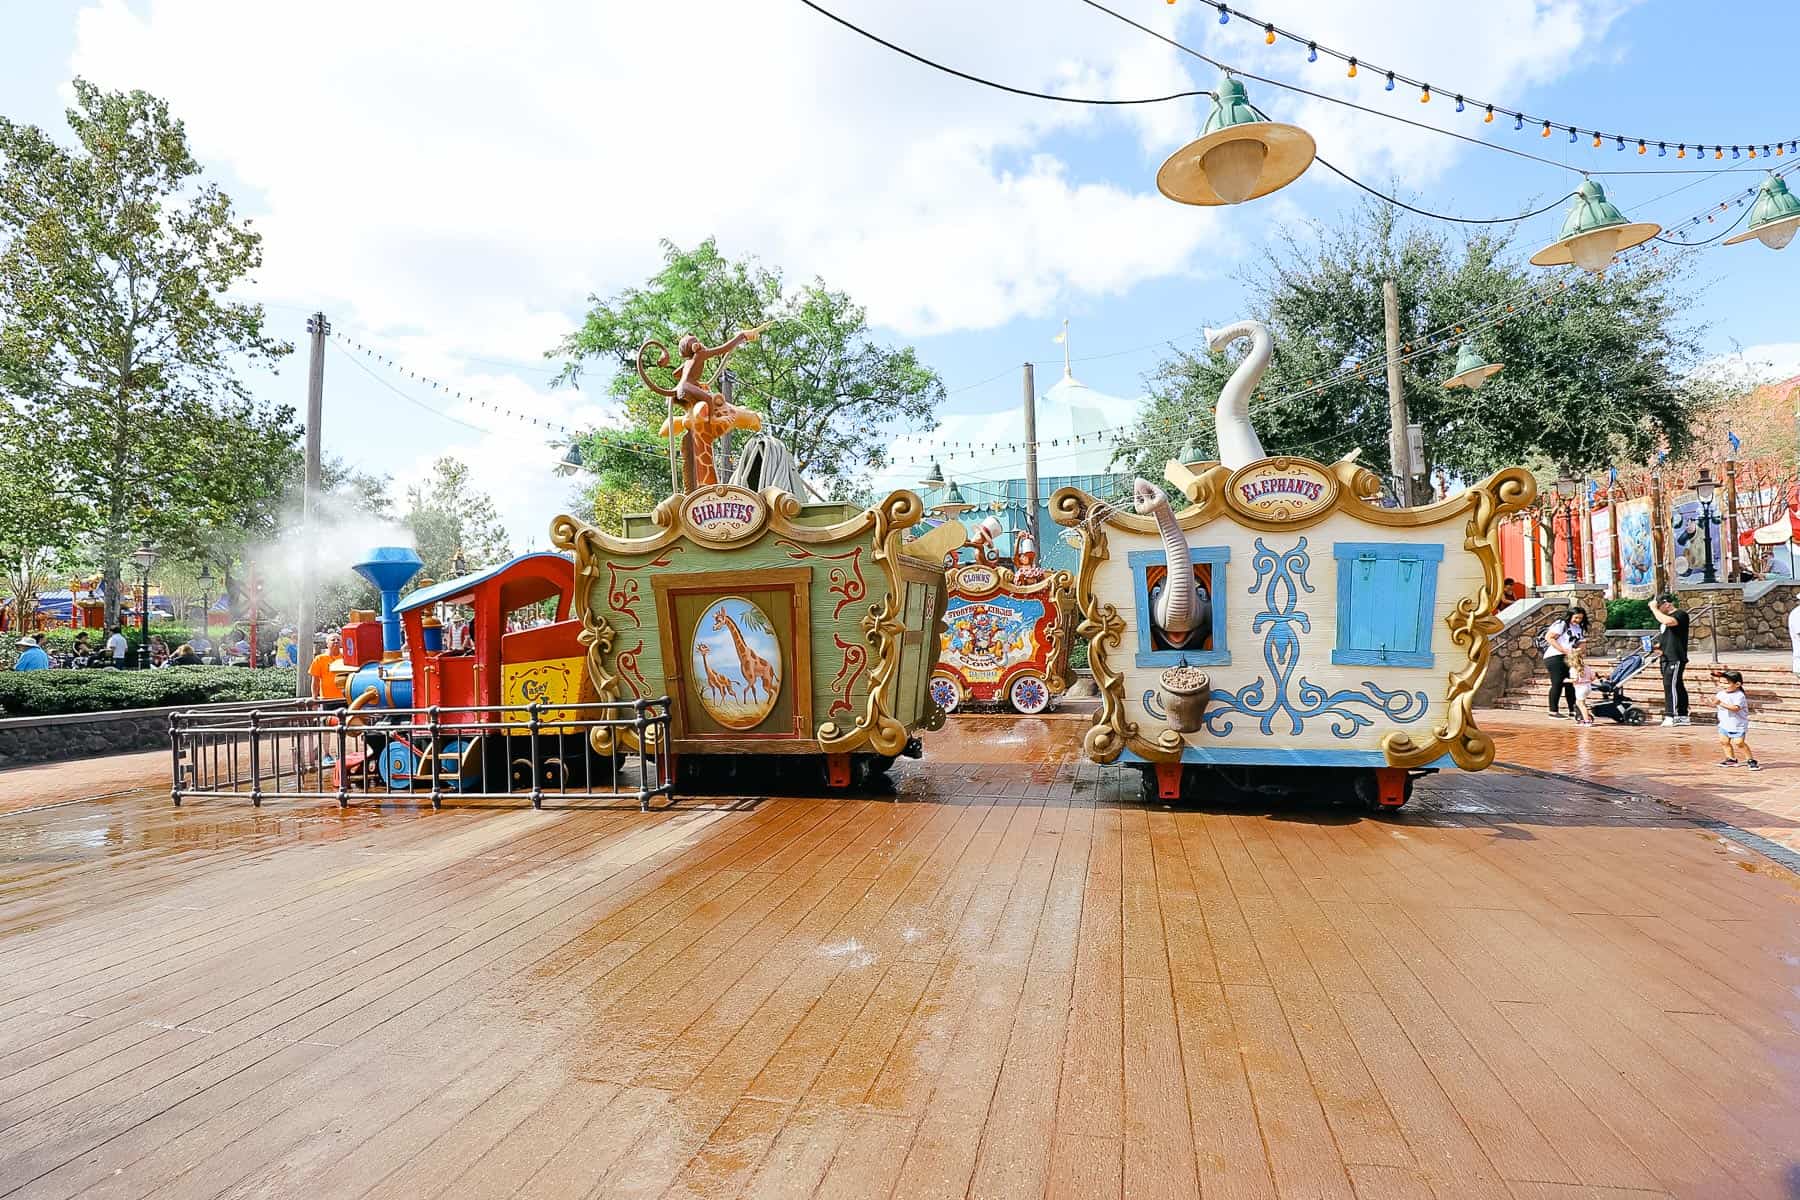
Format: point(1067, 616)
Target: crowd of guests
point(114, 650)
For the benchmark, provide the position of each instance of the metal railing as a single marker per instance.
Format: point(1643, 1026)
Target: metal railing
point(306, 750)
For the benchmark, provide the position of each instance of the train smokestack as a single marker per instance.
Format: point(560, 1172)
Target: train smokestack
point(389, 568)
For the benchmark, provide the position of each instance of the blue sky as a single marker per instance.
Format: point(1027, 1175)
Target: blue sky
point(449, 181)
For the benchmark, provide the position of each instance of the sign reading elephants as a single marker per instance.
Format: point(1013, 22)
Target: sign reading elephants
point(1281, 489)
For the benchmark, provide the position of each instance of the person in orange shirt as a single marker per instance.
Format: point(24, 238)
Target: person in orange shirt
point(325, 683)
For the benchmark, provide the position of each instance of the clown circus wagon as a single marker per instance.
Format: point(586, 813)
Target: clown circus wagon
point(1006, 634)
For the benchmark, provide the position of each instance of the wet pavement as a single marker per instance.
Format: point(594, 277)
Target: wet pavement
point(1006, 977)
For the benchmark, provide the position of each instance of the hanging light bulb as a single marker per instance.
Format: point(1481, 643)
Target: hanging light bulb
point(1224, 15)
point(1425, 94)
point(1459, 104)
point(1662, 150)
point(1594, 231)
point(1240, 154)
point(1390, 82)
point(1546, 132)
point(1268, 35)
point(1773, 218)
point(1312, 52)
point(1353, 68)
point(1596, 138)
point(1621, 144)
point(1472, 370)
point(1752, 150)
point(1681, 150)
point(1641, 147)
point(1734, 152)
point(1489, 119)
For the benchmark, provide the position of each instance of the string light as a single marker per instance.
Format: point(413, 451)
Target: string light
point(1459, 104)
point(1271, 32)
point(1546, 129)
point(1425, 94)
point(1596, 139)
point(1489, 119)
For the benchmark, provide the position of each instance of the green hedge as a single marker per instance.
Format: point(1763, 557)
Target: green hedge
point(1629, 614)
point(48, 693)
point(1078, 655)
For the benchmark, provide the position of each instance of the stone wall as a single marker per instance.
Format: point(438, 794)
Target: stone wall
point(90, 735)
point(1516, 652)
point(1714, 609)
point(1591, 598)
point(1767, 604)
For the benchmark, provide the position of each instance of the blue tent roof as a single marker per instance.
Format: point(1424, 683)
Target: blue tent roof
point(452, 588)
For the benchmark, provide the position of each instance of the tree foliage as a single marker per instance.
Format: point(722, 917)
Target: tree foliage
point(446, 514)
point(116, 337)
point(823, 384)
point(1594, 377)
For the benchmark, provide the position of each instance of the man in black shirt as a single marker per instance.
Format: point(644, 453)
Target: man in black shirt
point(1673, 642)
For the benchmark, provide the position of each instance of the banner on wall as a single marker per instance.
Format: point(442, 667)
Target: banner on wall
point(1601, 519)
point(1637, 558)
point(1685, 538)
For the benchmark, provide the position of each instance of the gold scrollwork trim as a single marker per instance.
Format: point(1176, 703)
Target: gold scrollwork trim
point(1472, 623)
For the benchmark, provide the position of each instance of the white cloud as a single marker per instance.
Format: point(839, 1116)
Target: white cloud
point(1763, 363)
point(454, 178)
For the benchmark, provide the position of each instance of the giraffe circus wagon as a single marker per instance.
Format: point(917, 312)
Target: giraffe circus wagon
point(794, 635)
point(1283, 630)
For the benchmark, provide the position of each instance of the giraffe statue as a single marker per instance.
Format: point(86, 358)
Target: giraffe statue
point(716, 683)
point(755, 667)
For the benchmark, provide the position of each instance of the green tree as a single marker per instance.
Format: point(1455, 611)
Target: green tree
point(37, 513)
point(1595, 376)
point(447, 514)
point(115, 334)
point(822, 383)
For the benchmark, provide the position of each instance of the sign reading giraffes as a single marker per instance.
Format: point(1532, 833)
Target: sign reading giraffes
point(737, 655)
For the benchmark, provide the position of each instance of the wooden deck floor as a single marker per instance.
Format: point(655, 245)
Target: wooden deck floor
point(1014, 982)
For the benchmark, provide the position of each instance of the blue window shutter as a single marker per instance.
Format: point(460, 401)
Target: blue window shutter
point(1387, 596)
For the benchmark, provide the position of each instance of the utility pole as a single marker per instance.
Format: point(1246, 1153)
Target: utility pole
point(318, 326)
point(1399, 452)
point(1031, 480)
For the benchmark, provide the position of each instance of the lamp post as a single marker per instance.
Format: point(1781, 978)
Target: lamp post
point(206, 582)
point(143, 558)
point(1704, 489)
point(1565, 493)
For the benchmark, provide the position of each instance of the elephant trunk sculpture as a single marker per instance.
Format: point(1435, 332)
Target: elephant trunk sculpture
point(1177, 609)
point(1238, 444)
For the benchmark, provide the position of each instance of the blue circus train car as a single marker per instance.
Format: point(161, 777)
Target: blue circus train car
point(1284, 630)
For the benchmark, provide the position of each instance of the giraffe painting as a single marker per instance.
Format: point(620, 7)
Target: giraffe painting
point(716, 684)
point(734, 632)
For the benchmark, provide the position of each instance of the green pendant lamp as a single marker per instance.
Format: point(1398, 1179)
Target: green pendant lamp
point(1594, 231)
point(1240, 155)
point(1773, 218)
point(1472, 370)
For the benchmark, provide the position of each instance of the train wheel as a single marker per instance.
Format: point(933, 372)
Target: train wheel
point(1029, 695)
point(945, 694)
point(399, 766)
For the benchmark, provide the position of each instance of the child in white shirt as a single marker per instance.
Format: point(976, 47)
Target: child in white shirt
point(1582, 676)
point(1734, 720)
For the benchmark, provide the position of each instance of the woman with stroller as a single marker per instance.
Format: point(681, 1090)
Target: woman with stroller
point(1565, 635)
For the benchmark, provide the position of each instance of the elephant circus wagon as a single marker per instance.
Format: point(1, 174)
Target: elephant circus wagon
point(1282, 630)
point(1006, 632)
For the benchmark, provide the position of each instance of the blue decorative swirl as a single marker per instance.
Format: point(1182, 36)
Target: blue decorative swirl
point(1281, 578)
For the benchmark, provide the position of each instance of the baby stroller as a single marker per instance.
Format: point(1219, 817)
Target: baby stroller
point(1613, 701)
